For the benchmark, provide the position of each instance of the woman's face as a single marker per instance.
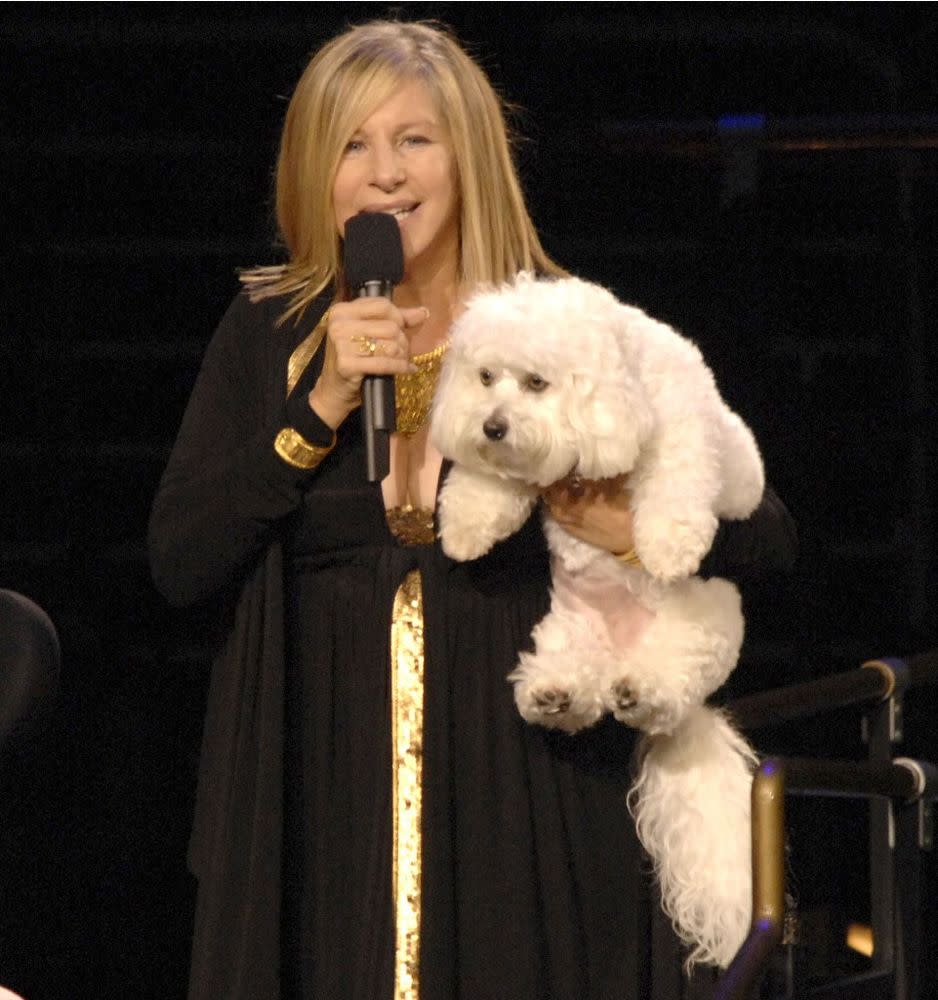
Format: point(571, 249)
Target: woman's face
point(400, 160)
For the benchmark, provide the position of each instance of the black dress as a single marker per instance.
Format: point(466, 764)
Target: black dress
point(533, 882)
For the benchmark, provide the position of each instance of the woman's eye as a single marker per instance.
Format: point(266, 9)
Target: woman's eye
point(485, 376)
point(536, 383)
point(354, 146)
point(415, 140)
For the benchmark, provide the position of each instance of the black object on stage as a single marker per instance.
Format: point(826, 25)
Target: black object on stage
point(374, 263)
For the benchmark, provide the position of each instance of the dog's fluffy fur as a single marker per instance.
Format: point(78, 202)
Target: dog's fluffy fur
point(545, 379)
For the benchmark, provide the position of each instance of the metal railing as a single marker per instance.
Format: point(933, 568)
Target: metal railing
point(901, 792)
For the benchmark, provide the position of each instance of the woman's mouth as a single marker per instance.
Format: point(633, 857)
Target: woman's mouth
point(403, 213)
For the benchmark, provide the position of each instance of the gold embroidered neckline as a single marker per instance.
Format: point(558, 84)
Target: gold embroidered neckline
point(411, 525)
point(414, 390)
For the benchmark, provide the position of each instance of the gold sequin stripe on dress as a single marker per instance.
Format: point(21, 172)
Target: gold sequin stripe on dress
point(407, 659)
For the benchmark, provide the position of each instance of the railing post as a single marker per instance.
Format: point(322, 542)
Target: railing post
point(882, 731)
point(768, 883)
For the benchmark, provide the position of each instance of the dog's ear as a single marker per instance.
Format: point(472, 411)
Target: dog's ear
point(611, 419)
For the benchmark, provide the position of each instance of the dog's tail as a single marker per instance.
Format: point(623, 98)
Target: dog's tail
point(691, 804)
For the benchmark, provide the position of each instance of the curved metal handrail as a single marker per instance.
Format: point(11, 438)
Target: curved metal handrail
point(876, 680)
point(902, 779)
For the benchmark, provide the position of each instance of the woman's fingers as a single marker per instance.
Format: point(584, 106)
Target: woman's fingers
point(415, 316)
point(370, 328)
point(369, 339)
point(596, 510)
point(376, 338)
point(365, 337)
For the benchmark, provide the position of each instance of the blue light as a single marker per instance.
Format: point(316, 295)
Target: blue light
point(754, 122)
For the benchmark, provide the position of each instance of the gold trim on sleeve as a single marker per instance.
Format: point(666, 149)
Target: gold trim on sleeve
point(295, 450)
point(407, 663)
point(304, 351)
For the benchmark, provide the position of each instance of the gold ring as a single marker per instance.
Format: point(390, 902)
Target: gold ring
point(366, 345)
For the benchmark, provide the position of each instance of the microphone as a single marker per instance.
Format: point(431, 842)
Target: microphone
point(373, 260)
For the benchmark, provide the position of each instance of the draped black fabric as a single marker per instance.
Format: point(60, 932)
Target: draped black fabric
point(531, 872)
point(533, 883)
point(214, 533)
point(235, 847)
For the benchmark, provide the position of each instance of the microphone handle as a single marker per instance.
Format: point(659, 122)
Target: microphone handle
point(378, 403)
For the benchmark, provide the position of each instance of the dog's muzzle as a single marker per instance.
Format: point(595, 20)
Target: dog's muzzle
point(495, 428)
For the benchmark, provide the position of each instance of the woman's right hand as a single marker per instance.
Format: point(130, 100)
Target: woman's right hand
point(365, 337)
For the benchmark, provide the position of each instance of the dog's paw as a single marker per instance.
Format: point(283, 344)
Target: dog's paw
point(462, 536)
point(650, 711)
point(551, 701)
point(464, 542)
point(477, 511)
point(623, 697)
point(672, 548)
point(544, 705)
point(556, 706)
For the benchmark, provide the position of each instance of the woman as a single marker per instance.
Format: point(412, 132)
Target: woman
point(374, 820)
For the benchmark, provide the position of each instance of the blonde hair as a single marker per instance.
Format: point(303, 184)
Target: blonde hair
point(344, 83)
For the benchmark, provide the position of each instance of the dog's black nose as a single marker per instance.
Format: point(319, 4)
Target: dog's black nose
point(495, 428)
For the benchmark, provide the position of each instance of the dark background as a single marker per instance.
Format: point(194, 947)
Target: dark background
point(797, 249)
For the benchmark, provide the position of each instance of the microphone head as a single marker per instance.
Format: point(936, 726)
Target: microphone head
point(372, 250)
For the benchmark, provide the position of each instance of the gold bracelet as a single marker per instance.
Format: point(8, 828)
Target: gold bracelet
point(630, 558)
point(295, 450)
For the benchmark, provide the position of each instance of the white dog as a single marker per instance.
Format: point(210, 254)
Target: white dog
point(547, 379)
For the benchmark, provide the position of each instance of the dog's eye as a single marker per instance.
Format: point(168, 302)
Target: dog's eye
point(486, 377)
point(536, 383)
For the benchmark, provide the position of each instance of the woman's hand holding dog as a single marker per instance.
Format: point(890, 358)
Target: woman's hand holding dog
point(365, 337)
point(597, 511)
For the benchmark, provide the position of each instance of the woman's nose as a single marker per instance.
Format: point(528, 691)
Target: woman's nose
point(387, 168)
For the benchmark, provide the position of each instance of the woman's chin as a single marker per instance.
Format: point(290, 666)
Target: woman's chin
point(428, 255)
